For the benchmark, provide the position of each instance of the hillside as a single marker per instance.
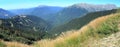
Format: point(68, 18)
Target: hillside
point(77, 23)
point(78, 10)
point(98, 31)
point(25, 29)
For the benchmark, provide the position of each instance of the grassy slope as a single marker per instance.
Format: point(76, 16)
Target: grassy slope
point(80, 22)
point(95, 30)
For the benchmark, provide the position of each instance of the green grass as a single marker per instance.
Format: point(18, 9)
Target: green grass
point(2, 44)
point(108, 27)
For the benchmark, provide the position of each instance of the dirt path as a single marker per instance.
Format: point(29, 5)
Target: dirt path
point(110, 41)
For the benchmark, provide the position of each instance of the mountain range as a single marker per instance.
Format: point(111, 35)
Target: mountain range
point(61, 15)
point(32, 24)
point(78, 10)
point(40, 11)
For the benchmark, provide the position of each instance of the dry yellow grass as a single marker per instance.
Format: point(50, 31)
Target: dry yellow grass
point(16, 44)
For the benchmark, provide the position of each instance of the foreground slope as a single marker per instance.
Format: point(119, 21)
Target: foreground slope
point(112, 40)
point(95, 30)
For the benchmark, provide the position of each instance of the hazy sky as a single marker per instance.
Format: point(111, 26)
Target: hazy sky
point(16, 4)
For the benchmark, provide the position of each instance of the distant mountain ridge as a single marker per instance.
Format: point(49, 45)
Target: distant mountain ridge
point(5, 13)
point(78, 10)
point(60, 15)
point(39, 11)
point(92, 7)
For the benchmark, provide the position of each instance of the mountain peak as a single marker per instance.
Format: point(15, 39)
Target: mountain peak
point(1, 10)
point(95, 7)
point(87, 4)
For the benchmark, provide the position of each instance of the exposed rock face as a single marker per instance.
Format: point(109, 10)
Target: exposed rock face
point(92, 7)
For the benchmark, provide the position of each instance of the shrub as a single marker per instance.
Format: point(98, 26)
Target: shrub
point(2, 44)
